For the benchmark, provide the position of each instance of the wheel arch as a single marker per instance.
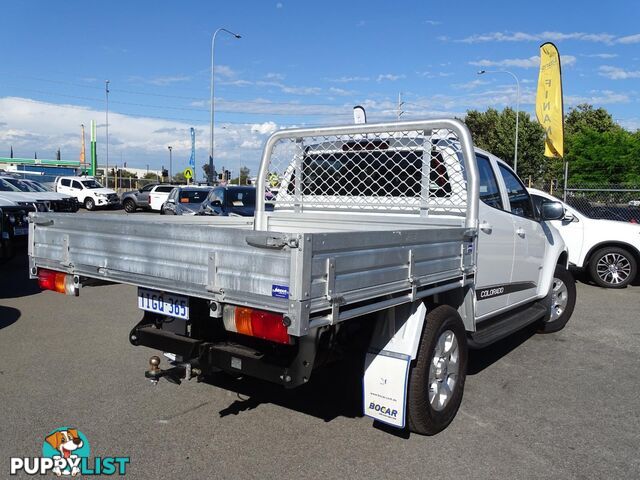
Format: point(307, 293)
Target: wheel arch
point(563, 259)
point(633, 250)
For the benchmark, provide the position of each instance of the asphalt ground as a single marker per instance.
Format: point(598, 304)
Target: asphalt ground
point(564, 405)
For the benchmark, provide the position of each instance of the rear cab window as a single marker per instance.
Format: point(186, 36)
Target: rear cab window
point(489, 190)
point(65, 182)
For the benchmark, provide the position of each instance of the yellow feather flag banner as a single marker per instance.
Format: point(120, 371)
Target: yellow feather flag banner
point(549, 108)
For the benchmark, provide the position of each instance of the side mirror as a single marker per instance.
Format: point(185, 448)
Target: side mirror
point(171, 200)
point(216, 203)
point(550, 210)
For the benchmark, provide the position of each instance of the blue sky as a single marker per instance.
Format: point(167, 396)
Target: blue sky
point(297, 63)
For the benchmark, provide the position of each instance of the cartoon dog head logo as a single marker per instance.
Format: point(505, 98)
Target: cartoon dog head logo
point(68, 444)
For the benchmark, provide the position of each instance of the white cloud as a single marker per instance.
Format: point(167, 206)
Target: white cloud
point(274, 76)
point(531, 62)
point(616, 73)
point(433, 22)
point(470, 85)
point(632, 124)
point(341, 92)
point(266, 128)
point(161, 81)
point(44, 127)
point(349, 79)
point(389, 77)
point(597, 97)
point(225, 71)
point(629, 39)
point(600, 55)
point(605, 38)
point(279, 5)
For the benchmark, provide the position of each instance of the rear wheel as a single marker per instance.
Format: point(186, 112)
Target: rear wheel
point(562, 299)
point(89, 204)
point(612, 267)
point(129, 206)
point(437, 377)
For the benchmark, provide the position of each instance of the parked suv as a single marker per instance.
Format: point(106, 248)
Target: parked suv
point(608, 250)
point(135, 199)
point(88, 191)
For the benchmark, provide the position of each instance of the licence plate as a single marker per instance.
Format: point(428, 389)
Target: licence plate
point(21, 231)
point(163, 303)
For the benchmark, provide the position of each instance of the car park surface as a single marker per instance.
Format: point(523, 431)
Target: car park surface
point(565, 405)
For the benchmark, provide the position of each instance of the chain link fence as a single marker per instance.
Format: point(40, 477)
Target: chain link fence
point(604, 201)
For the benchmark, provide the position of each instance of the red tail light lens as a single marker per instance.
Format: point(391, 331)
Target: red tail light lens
point(47, 280)
point(56, 281)
point(256, 323)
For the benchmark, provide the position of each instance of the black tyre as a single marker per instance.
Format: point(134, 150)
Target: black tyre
point(89, 204)
point(613, 267)
point(437, 376)
point(562, 300)
point(129, 206)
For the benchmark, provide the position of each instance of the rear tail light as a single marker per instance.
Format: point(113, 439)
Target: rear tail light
point(255, 323)
point(57, 282)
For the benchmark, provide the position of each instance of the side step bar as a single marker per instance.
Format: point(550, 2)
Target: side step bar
point(504, 325)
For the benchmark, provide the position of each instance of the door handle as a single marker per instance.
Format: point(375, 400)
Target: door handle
point(520, 232)
point(486, 227)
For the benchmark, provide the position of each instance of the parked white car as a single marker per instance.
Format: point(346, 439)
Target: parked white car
point(634, 203)
point(88, 191)
point(608, 249)
point(158, 195)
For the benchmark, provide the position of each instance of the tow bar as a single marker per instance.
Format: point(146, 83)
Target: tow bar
point(175, 374)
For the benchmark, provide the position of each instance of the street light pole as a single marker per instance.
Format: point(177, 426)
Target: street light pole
point(170, 163)
point(211, 101)
point(106, 170)
point(515, 156)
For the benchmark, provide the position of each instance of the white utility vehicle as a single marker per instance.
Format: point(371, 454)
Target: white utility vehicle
point(158, 195)
point(396, 244)
point(89, 192)
point(608, 249)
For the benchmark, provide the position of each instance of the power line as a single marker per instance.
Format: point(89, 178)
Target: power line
point(193, 109)
point(163, 95)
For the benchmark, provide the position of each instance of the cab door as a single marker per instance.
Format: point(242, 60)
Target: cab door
point(495, 244)
point(76, 190)
point(530, 240)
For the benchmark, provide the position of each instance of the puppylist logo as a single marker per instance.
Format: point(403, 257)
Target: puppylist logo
point(66, 451)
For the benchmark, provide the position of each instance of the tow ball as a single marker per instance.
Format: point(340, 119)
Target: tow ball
point(175, 374)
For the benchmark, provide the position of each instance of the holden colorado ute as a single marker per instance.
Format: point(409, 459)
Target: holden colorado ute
point(400, 241)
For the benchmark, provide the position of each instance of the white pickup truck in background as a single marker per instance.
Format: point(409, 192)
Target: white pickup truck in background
point(399, 244)
point(609, 250)
point(89, 192)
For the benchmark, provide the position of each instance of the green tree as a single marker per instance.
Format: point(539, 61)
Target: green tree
point(205, 168)
point(244, 176)
point(495, 132)
point(604, 157)
point(179, 178)
point(585, 117)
